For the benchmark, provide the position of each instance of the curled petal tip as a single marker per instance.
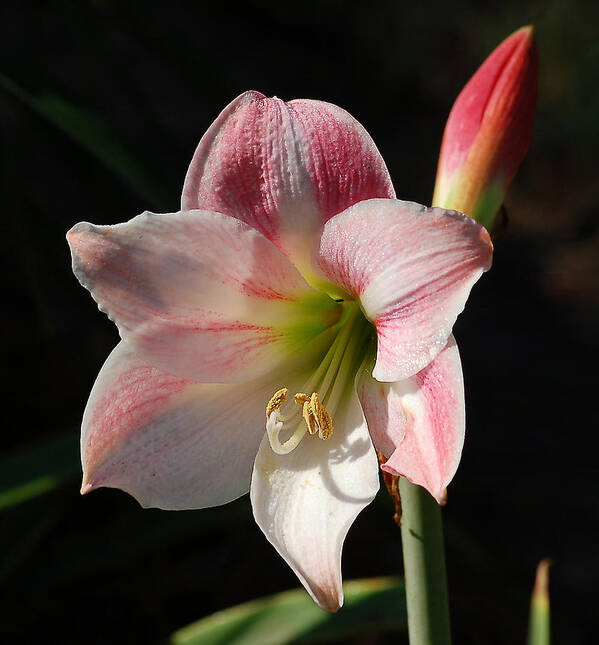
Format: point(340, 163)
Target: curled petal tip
point(438, 494)
point(72, 232)
point(86, 488)
point(487, 243)
point(329, 599)
point(82, 238)
point(75, 233)
point(489, 130)
point(486, 238)
point(333, 608)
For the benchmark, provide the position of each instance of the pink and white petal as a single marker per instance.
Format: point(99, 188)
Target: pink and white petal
point(284, 168)
point(381, 404)
point(171, 443)
point(419, 423)
point(412, 268)
point(306, 501)
point(199, 294)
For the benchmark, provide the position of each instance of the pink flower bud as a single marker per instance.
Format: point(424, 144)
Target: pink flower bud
point(489, 130)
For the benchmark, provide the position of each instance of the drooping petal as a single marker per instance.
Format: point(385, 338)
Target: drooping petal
point(284, 168)
point(412, 268)
point(306, 501)
point(418, 423)
point(199, 294)
point(171, 443)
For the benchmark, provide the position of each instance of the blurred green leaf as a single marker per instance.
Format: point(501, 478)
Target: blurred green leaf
point(539, 624)
point(94, 134)
point(38, 469)
point(371, 606)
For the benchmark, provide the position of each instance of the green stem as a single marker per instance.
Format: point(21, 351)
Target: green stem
point(424, 566)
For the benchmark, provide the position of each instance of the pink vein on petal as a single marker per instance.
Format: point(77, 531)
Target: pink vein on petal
point(126, 407)
point(345, 165)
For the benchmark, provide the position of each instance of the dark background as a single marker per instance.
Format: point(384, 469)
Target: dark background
point(143, 81)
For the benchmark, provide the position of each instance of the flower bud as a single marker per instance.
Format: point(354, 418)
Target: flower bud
point(489, 130)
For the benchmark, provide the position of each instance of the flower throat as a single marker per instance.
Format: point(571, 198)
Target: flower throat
point(314, 407)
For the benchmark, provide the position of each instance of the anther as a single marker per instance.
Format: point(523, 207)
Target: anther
point(276, 401)
point(315, 415)
point(317, 419)
point(309, 418)
point(324, 422)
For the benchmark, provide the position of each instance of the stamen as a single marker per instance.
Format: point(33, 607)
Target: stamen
point(315, 414)
point(304, 400)
point(329, 381)
point(309, 418)
point(324, 422)
point(276, 401)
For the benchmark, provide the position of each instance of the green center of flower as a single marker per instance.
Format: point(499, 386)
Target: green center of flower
point(333, 378)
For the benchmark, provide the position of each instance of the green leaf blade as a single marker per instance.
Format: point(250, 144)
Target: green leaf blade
point(38, 469)
point(539, 628)
point(371, 606)
point(93, 134)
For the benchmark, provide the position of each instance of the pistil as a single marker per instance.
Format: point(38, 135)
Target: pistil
point(327, 385)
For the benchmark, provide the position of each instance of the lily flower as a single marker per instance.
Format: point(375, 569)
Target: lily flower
point(489, 130)
point(292, 317)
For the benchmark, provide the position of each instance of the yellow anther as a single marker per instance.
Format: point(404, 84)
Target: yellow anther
point(315, 414)
point(324, 421)
point(276, 401)
point(309, 418)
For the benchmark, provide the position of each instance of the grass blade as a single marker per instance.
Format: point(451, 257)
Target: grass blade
point(539, 625)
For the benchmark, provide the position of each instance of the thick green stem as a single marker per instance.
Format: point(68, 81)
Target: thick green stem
point(424, 565)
